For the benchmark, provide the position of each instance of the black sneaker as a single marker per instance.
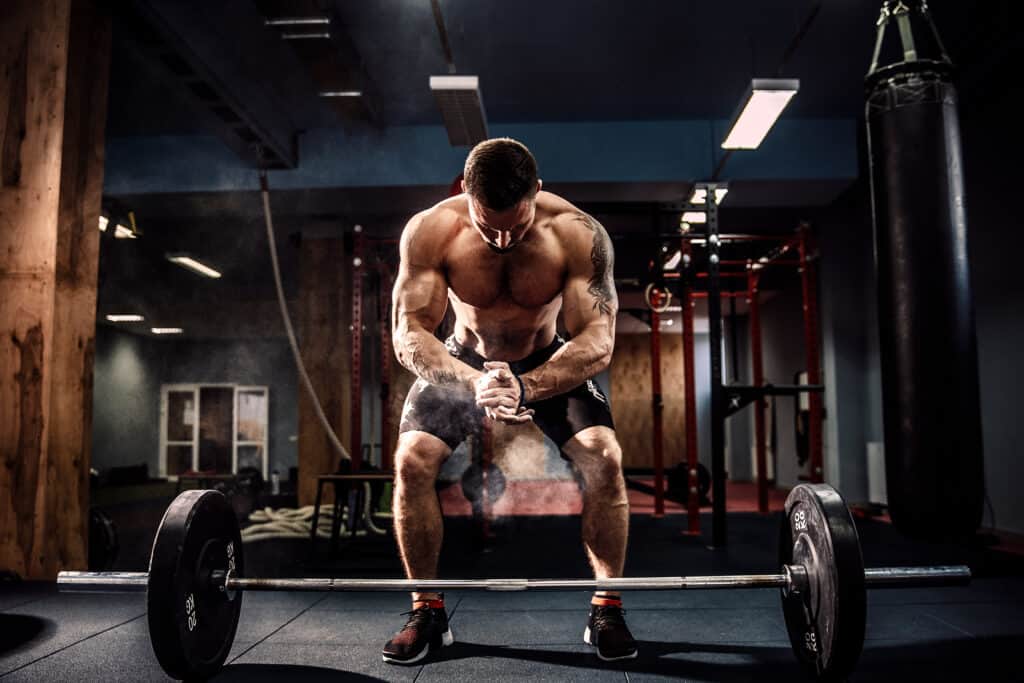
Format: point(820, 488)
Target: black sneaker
point(607, 630)
point(427, 628)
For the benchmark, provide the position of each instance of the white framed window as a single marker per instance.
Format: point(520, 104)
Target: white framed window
point(179, 429)
point(250, 427)
point(213, 428)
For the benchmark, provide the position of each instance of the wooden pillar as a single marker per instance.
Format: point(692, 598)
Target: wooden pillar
point(51, 176)
point(326, 343)
point(77, 269)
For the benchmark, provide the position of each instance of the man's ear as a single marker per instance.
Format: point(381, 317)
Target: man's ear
point(540, 184)
point(462, 184)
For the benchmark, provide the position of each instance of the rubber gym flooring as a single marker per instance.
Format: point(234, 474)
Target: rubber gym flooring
point(913, 634)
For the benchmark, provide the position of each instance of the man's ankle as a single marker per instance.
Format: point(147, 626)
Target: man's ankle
point(602, 598)
point(432, 600)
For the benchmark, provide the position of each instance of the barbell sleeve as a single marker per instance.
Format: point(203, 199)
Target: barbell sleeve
point(904, 577)
point(102, 582)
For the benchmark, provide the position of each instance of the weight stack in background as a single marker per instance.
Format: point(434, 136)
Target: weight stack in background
point(929, 359)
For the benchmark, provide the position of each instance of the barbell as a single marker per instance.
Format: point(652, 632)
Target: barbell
point(196, 579)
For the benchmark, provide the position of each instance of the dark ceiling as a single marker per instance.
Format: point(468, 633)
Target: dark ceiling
point(556, 60)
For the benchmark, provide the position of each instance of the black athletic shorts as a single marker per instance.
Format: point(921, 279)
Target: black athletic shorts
point(451, 414)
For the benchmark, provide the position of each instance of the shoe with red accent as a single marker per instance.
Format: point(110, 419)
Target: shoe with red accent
point(427, 629)
point(607, 631)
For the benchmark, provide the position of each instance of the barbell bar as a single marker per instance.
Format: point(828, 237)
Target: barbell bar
point(196, 580)
point(882, 577)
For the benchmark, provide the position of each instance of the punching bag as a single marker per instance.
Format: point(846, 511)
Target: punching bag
point(929, 359)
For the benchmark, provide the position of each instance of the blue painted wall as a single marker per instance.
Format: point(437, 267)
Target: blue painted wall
point(633, 151)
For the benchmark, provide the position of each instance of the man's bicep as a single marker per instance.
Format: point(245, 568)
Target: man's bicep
point(589, 297)
point(581, 309)
point(420, 296)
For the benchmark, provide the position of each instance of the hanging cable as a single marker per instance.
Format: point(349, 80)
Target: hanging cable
point(286, 318)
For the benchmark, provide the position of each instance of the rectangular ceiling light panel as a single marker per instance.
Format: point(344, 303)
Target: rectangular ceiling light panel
point(462, 108)
point(758, 112)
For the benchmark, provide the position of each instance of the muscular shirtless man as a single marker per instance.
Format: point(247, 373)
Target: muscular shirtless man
point(508, 258)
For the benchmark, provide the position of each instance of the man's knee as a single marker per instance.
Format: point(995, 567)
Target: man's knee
point(597, 454)
point(418, 459)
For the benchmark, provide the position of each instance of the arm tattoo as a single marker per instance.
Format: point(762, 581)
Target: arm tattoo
point(424, 369)
point(601, 283)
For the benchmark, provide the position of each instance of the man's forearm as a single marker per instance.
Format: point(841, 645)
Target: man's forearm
point(574, 363)
point(424, 355)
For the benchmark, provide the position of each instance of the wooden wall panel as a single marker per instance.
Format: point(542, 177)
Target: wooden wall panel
point(324, 315)
point(630, 374)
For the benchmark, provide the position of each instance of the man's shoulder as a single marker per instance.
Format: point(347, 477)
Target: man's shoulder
point(446, 213)
point(436, 225)
point(570, 223)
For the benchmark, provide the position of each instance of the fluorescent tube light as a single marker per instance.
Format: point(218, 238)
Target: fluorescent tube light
point(166, 330)
point(125, 318)
point(186, 261)
point(298, 21)
point(761, 106)
point(123, 233)
point(340, 93)
point(306, 36)
point(104, 221)
point(693, 217)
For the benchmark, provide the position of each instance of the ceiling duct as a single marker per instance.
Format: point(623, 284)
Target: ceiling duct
point(462, 108)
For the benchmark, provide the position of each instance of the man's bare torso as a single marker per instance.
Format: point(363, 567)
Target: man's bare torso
point(506, 304)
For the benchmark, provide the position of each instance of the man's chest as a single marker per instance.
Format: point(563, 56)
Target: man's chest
point(529, 276)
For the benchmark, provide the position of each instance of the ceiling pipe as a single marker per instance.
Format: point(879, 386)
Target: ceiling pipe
point(442, 33)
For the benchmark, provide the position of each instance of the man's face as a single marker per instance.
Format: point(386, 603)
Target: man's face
point(503, 230)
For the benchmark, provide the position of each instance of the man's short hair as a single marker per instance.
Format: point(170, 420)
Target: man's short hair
point(500, 173)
